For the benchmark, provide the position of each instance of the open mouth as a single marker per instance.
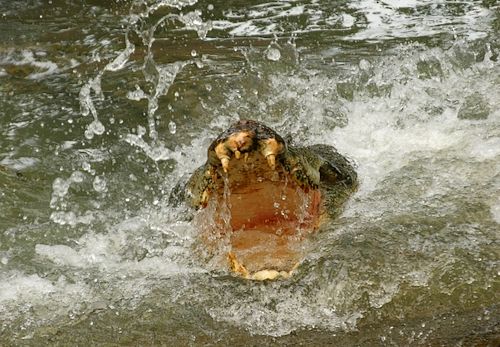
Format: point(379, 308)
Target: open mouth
point(258, 200)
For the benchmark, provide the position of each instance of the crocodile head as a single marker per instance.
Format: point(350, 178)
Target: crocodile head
point(261, 196)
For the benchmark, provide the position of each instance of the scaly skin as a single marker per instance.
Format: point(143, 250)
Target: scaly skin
point(273, 192)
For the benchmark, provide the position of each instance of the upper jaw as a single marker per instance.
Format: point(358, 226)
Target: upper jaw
point(243, 138)
point(244, 143)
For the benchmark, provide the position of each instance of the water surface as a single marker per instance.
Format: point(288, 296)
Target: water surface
point(105, 108)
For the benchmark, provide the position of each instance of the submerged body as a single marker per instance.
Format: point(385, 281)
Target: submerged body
point(260, 197)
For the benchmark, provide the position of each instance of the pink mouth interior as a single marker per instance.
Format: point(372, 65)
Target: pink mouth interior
point(269, 214)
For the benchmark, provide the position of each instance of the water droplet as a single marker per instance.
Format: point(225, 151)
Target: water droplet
point(276, 205)
point(99, 184)
point(193, 53)
point(60, 187)
point(141, 131)
point(77, 177)
point(137, 94)
point(273, 54)
point(94, 128)
point(208, 87)
point(86, 166)
point(364, 64)
point(172, 127)
point(89, 134)
point(210, 7)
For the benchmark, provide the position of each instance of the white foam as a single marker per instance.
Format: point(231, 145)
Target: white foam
point(71, 218)
point(385, 21)
point(38, 299)
point(111, 252)
point(263, 19)
point(495, 211)
point(485, 149)
point(26, 57)
point(111, 261)
point(20, 163)
point(14, 286)
point(347, 20)
point(379, 147)
point(119, 62)
point(193, 21)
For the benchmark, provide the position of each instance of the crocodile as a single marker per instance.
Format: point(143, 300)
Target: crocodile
point(259, 198)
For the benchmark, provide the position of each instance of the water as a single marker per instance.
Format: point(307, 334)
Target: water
point(105, 108)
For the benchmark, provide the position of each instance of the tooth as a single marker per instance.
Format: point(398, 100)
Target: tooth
point(204, 197)
point(271, 160)
point(269, 149)
point(223, 154)
point(225, 163)
point(236, 266)
point(237, 154)
point(246, 157)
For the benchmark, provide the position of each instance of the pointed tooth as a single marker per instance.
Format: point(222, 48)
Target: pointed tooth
point(236, 266)
point(237, 154)
point(246, 157)
point(204, 198)
point(271, 160)
point(270, 147)
point(223, 154)
point(225, 163)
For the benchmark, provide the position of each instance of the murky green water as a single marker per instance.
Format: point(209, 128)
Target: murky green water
point(106, 107)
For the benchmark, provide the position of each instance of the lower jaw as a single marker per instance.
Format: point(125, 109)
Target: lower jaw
point(260, 255)
point(264, 251)
point(261, 226)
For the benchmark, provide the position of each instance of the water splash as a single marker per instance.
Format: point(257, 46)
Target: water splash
point(119, 62)
point(60, 188)
point(62, 212)
point(415, 228)
point(161, 76)
point(390, 19)
point(193, 21)
point(273, 54)
point(172, 127)
point(164, 77)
